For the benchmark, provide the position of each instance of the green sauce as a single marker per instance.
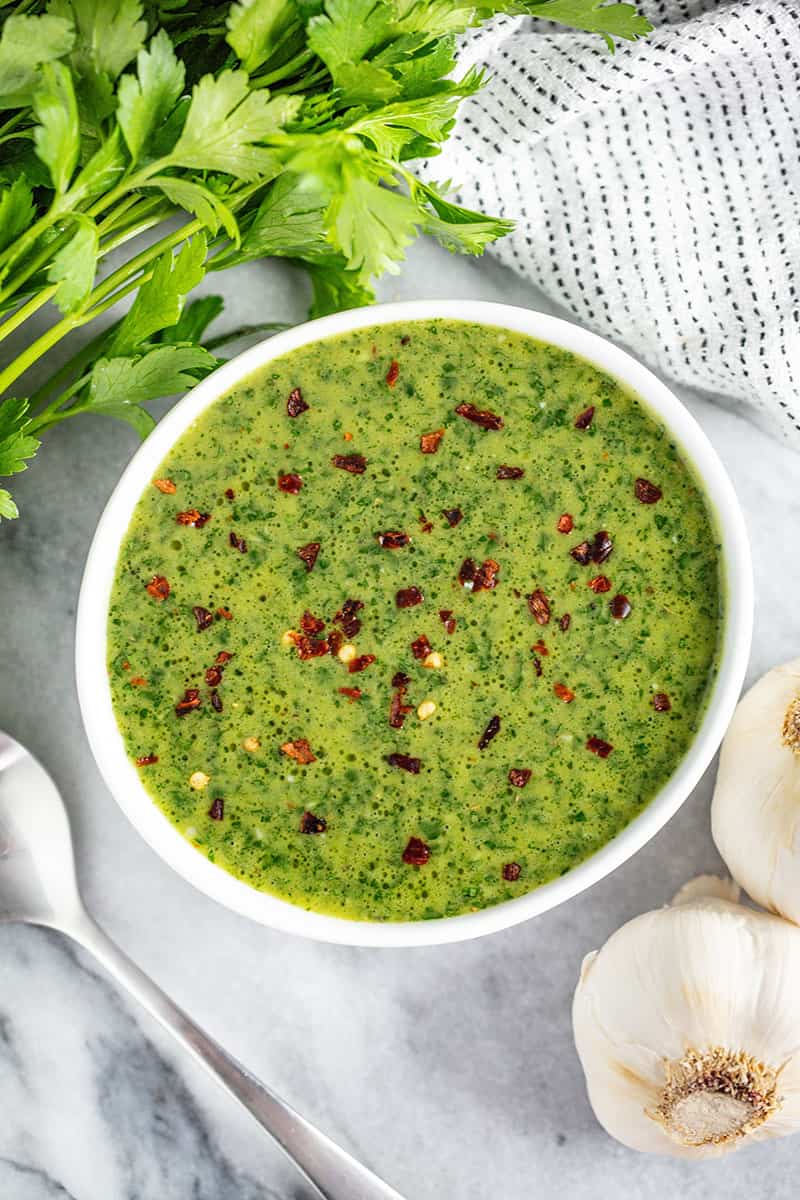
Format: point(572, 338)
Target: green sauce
point(484, 839)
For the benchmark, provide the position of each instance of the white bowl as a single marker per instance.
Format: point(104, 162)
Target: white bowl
point(95, 693)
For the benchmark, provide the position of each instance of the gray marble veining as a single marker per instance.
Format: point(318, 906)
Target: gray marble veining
point(449, 1070)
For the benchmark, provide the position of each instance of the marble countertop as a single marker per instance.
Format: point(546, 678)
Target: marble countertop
point(451, 1071)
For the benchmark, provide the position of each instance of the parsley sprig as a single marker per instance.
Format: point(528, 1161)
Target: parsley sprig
point(266, 127)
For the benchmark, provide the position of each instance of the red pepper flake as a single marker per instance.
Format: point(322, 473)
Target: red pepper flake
point(400, 679)
point(429, 442)
point(311, 624)
point(453, 516)
point(404, 762)
point(504, 472)
point(290, 484)
point(466, 573)
point(416, 853)
point(216, 702)
point(393, 374)
point(425, 525)
point(408, 597)
point(537, 666)
point(158, 587)
point(582, 553)
point(194, 517)
point(486, 576)
point(539, 607)
point(237, 542)
point(421, 648)
point(392, 539)
point(309, 648)
point(600, 584)
point(346, 617)
point(225, 613)
point(217, 810)
point(311, 824)
point(620, 607)
point(361, 663)
point(584, 419)
point(138, 681)
point(482, 417)
point(348, 437)
point(214, 676)
point(661, 702)
point(491, 731)
point(335, 641)
point(202, 616)
point(352, 694)
point(230, 494)
point(191, 700)
point(405, 340)
point(296, 404)
point(166, 486)
point(540, 648)
point(601, 547)
point(512, 872)
point(356, 464)
point(448, 620)
point(563, 692)
point(146, 760)
point(565, 523)
point(308, 554)
point(647, 492)
point(519, 777)
point(564, 623)
point(398, 710)
point(599, 747)
point(299, 750)
point(223, 657)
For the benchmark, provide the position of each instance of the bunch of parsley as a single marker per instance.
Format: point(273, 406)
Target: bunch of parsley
point(268, 127)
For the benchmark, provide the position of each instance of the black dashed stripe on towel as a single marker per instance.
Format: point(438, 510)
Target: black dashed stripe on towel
point(656, 191)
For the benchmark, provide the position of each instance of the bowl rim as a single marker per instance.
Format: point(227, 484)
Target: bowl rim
point(93, 685)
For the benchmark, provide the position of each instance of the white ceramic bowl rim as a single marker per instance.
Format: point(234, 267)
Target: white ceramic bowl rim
point(94, 690)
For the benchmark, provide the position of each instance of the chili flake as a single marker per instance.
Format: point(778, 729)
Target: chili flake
point(165, 485)
point(519, 777)
point(584, 419)
point(291, 484)
point(296, 405)
point(421, 648)
point(404, 762)
point(308, 554)
point(225, 613)
point(540, 648)
point(361, 663)
point(429, 442)
point(491, 731)
point(563, 692)
point(582, 553)
point(448, 620)
point(356, 464)
point(565, 523)
point(237, 542)
point(216, 702)
point(482, 417)
point(416, 853)
point(504, 472)
point(661, 702)
point(146, 760)
point(346, 617)
point(564, 623)
point(512, 872)
point(398, 710)
point(647, 492)
point(486, 576)
point(214, 676)
point(158, 587)
point(299, 750)
point(466, 573)
point(194, 517)
point(599, 747)
point(311, 824)
point(230, 494)
point(453, 516)
point(309, 648)
point(537, 666)
point(400, 679)
point(138, 681)
point(620, 607)
point(600, 584)
point(202, 616)
point(539, 607)
point(351, 693)
point(311, 624)
point(425, 525)
point(217, 810)
point(393, 374)
point(602, 547)
point(191, 700)
point(408, 597)
point(392, 539)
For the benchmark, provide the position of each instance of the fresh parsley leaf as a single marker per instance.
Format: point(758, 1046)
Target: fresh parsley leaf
point(16, 446)
point(73, 267)
point(146, 99)
point(159, 302)
point(427, 71)
point(258, 28)
point(119, 386)
point(290, 221)
point(193, 321)
point(336, 288)
point(57, 136)
point(8, 508)
point(26, 43)
point(109, 34)
point(347, 31)
point(101, 172)
point(370, 225)
point(595, 16)
point(16, 210)
point(224, 124)
point(430, 118)
point(458, 229)
point(198, 199)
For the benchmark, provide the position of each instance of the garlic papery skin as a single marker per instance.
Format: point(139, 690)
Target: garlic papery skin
point(687, 1025)
point(755, 813)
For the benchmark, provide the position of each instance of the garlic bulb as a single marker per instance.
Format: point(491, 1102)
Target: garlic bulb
point(687, 1025)
point(755, 814)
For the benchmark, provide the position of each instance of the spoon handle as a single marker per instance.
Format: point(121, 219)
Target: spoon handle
point(332, 1171)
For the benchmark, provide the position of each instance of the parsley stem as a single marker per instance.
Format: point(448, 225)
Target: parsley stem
point(27, 310)
point(288, 69)
point(75, 365)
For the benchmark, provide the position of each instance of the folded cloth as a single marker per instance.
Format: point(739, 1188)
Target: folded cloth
point(657, 190)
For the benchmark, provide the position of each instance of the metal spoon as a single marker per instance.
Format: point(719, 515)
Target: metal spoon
point(38, 886)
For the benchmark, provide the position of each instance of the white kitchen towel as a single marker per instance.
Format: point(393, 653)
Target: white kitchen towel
point(657, 190)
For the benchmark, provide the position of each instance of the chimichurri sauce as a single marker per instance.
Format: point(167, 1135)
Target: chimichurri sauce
point(414, 619)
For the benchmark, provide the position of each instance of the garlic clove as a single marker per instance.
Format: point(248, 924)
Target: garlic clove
point(706, 887)
point(755, 812)
point(686, 1026)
